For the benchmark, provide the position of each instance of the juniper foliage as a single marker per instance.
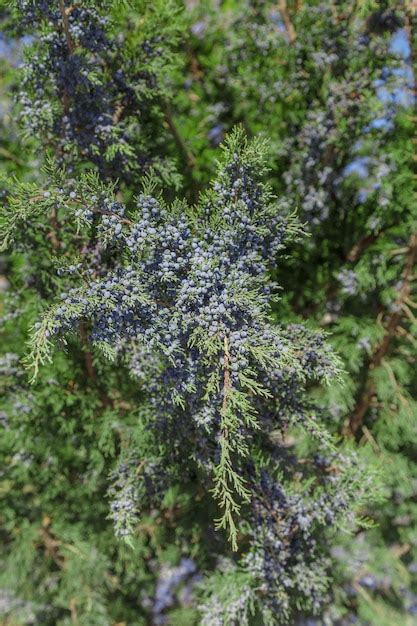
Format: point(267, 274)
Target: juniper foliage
point(96, 94)
point(184, 452)
point(339, 105)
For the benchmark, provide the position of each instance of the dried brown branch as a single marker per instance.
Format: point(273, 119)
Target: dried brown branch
point(88, 357)
point(286, 18)
point(51, 544)
point(392, 324)
point(391, 328)
point(73, 611)
point(357, 250)
point(195, 67)
point(117, 114)
point(65, 24)
point(188, 156)
point(53, 233)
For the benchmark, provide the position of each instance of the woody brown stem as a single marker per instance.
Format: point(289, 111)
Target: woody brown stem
point(65, 25)
point(227, 383)
point(52, 235)
point(88, 357)
point(357, 250)
point(51, 544)
point(189, 157)
point(391, 326)
point(365, 401)
point(289, 27)
point(73, 611)
point(117, 114)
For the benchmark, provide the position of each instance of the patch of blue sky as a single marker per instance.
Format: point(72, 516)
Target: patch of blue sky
point(358, 166)
point(11, 49)
point(400, 45)
point(362, 195)
point(398, 94)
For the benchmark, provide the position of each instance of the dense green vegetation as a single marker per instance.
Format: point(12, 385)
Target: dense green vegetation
point(208, 232)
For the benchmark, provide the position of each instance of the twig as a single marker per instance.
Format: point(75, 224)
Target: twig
point(195, 68)
point(227, 383)
point(122, 220)
point(10, 156)
point(392, 324)
point(289, 27)
point(73, 611)
point(366, 398)
point(117, 113)
point(356, 251)
point(88, 357)
point(189, 157)
point(65, 24)
point(52, 235)
point(51, 544)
